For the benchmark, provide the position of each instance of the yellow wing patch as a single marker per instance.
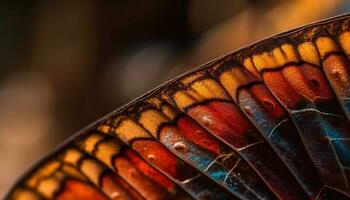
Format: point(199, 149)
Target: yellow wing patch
point(151, 120)
point(106, 151)
point(308, 53)
point(24, 194)
point(233, 78)
point(199, 91)
point(45, 170)
point(129, 129)
point(48, 186)
point(326, 45)
point(344, 40)
point(249, 65)
point(276, 58)
point(92, 169)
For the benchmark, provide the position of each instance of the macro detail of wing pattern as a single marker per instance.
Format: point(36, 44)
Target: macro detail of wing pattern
point(269, 121)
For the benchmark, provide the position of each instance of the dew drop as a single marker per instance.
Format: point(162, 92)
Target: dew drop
point(115, 195)
point(248, 110)
point(180, 146)
point(207, 120)
point(151, 157)
point(336, 73)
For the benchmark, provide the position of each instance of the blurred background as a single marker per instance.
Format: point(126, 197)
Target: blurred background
point(64, 63)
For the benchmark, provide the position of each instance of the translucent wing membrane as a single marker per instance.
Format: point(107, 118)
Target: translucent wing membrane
point(270, 121)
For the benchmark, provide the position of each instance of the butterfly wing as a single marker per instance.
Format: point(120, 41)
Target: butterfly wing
point(269, 121)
